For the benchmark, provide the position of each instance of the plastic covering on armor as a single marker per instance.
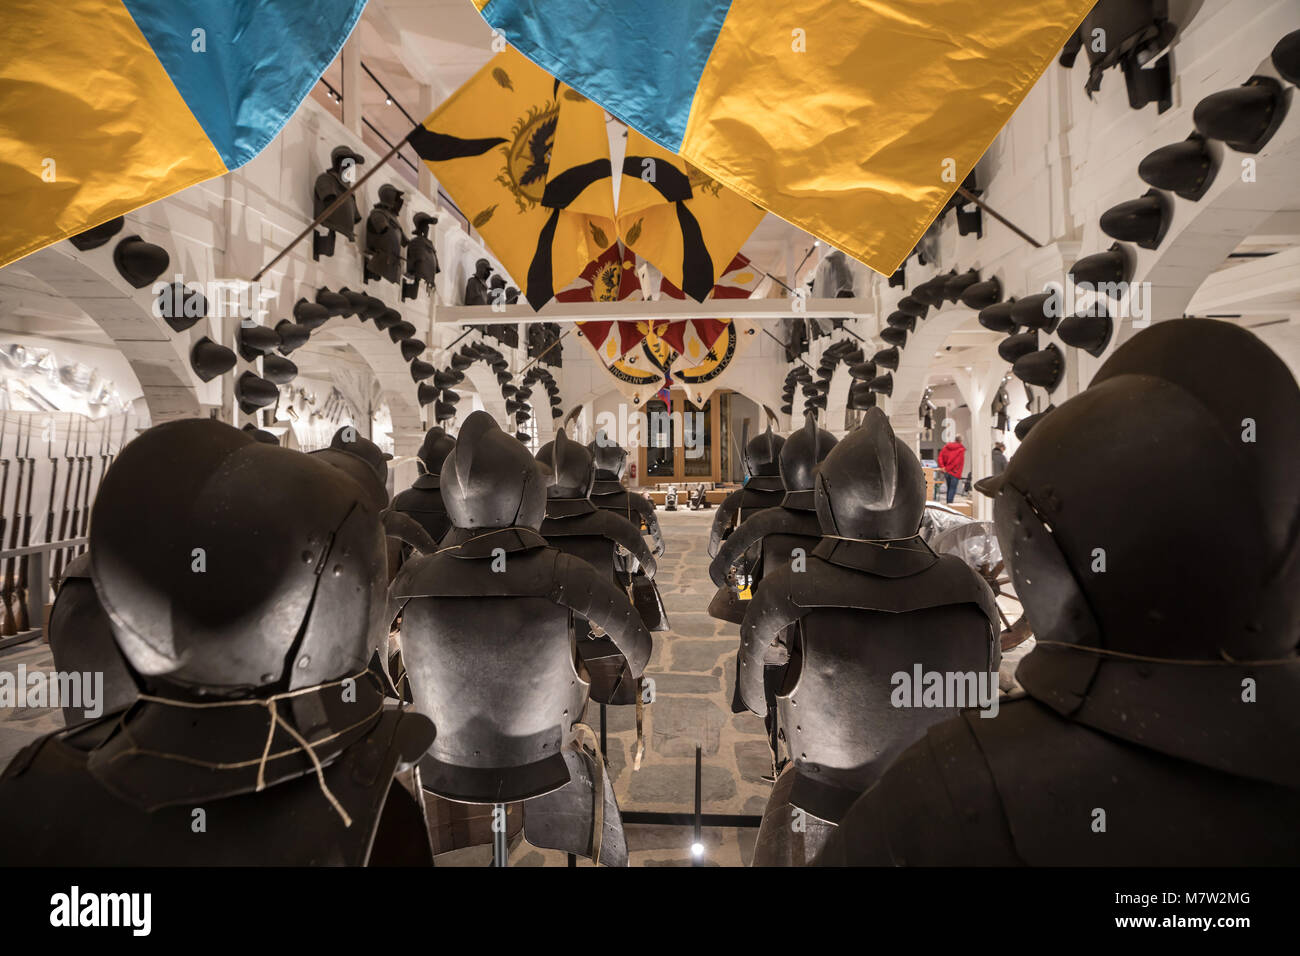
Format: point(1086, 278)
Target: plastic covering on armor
point(938, 519)
point(975, 542)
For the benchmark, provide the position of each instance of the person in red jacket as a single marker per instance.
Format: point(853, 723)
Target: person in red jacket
point(952, 457)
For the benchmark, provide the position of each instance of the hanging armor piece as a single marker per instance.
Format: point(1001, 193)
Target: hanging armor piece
point(1000, 406)
point(873, 603)
point(488, 644)
point(385, 238)
point(330, 185)
point(423, 500)
point(578, 528)
point(1127, 33)
point(421, 258)
point(476, 290)
point(1142, 689)
point(259, 708)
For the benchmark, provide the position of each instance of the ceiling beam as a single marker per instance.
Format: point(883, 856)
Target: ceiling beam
point(555, 311)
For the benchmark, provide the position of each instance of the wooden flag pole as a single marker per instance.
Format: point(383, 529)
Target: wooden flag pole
point(969, 197)
point(330, 209)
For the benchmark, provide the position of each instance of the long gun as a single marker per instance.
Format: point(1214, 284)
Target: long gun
point(85, 503)
point(24, 612)
point(4, 486)
point(82, 478)
point(61, 555)
point(9, 626)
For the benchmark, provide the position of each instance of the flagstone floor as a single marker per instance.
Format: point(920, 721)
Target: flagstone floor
point(693, 670)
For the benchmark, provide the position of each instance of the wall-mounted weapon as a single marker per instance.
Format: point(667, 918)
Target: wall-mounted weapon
point(9, 624)
point(61, 555)
point(23, 614)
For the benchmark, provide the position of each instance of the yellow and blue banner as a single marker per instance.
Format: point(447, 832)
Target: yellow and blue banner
point(106, 105)
point(855, 120)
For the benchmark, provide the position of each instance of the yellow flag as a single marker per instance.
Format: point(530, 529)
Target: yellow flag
point(497, 147)
point(683, 221)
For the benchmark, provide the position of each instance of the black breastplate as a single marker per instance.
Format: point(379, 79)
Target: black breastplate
point(56, 811)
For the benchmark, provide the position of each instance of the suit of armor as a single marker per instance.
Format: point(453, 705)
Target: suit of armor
point(423, 500)
point(385, 238)
point(488, 640)
point(608, 494)
point(874, 602)
point(1161, 715)
point(329, 186)
point(578, 528)
point(762, 488)
point(262, 736)
point(421, 257)
point(476, 290)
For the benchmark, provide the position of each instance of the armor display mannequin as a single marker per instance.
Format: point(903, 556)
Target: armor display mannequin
point(487, 637)
point(762, 488)
point(476, 290)
point(421, 258)
point(578, 528)
point(775, 532)
point(1139, 740)
point(874, 608)
point(362, 459)
point(330, 185)
point(608, 494)
point(259, 708)
point(778, 536)
point(423, 500)
point(385, 237)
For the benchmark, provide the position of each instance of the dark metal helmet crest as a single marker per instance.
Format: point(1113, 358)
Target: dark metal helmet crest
point(871, 485)
point(803, 451)
point(611, 457)
point(763, 453)
point(435, 448)
point(490, 481)
point(358, 456)
point(228, 565)
point(572, 466)
point(1100, 561)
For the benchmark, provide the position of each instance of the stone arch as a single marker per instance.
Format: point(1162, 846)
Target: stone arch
point(158, 357)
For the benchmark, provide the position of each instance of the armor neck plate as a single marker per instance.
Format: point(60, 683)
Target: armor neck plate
point(164, 753)
point(427, 481)
point(886, 559)
point(482, 542)
point(764, 483)
point(1194, 712)
point(567, 508)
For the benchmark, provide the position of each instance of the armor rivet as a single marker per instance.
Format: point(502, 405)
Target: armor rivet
point(307, 557)
point(338, 569)
point(267, 678)
point(304, 660)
